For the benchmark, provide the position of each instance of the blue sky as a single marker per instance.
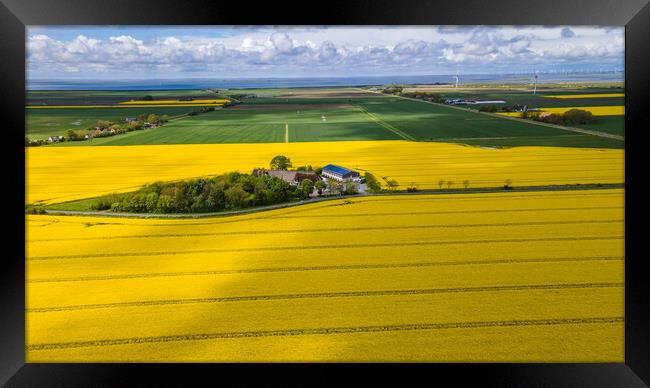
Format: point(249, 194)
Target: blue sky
point(155, 52)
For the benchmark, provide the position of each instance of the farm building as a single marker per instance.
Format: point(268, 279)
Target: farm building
point(293, 177)
point(338, 173)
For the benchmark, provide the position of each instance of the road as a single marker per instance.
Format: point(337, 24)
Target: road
point(335, 197)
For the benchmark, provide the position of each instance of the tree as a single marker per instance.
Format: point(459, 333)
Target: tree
point(440, 183)
point(103, 124)
point(392, 184)
point(335, 186)
point(577, 116)
point(351, 188)
point(466, 183)
point(307, 186)
point(320, 186)
point(280, 162)
point(236, 197)
point(153, 118)
point(449, 183)
point(372, 183)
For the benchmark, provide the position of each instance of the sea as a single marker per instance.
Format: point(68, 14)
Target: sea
point(255, 83)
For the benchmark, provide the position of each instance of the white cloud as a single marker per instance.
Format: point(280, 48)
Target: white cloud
point(333, 50)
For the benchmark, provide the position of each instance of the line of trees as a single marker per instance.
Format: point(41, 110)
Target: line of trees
point(427, 96)
point(570, 117)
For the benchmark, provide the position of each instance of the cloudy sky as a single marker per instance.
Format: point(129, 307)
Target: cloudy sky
point(153, 52)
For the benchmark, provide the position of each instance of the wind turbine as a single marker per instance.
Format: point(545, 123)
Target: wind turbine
point(456, 77)
point(535, 82)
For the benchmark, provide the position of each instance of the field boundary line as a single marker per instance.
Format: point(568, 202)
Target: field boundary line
point(386, 125)
point(319, 230)
point(318, 295)
point(329, 330)
point(329, 268)
point(316, 247)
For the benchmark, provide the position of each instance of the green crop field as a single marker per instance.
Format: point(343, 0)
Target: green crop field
point(440, 123)
point(609, 124)
point(351, 114)
point(42, 123)
point(259, 126)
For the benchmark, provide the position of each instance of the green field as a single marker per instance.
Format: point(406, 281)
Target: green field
point(609, 124)
point(259, 126)
point(351, 114)
point(42, 123)
point(431, 122)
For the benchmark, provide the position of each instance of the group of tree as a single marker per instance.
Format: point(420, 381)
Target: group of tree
point(488, 108)
point(200, 110)
point(570, 117)
point(373, 185)
point(231, 191)
point(105, 128)
point(342, 187)
point(392, 89)
point(427, 96)
point(514, 108)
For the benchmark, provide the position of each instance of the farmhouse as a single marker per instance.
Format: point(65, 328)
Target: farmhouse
point(54, 139)
point(292, 177)
point(339, 173)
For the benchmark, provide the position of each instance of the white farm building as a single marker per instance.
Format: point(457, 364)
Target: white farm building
point(338, 173)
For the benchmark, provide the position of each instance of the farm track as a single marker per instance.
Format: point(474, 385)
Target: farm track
point(230, 221)
point(363, 228)
point(317, 247)
point(322, 331)
point(343, 294)
point(386, 125)
point(405, 196)
point(328, 268)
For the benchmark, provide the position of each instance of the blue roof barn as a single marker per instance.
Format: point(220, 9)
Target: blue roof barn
point(338, 173)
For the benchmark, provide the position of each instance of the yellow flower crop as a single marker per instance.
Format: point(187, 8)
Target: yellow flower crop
point(595, 110)
point(510, 277)
point(58, 174)
point(176, 102)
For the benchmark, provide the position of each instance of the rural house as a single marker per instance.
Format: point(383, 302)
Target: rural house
point(293, 177)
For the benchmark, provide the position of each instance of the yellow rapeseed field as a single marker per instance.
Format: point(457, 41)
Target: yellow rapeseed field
point(592, 95)
point(510, 277)
point(176, 102)
point(134, 105)
point(58, 174)
point(595, 110)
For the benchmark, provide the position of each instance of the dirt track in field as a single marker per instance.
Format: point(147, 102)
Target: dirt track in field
point(287, 106)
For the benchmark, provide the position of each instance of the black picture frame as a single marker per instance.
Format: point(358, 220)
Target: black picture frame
point(16, 14)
